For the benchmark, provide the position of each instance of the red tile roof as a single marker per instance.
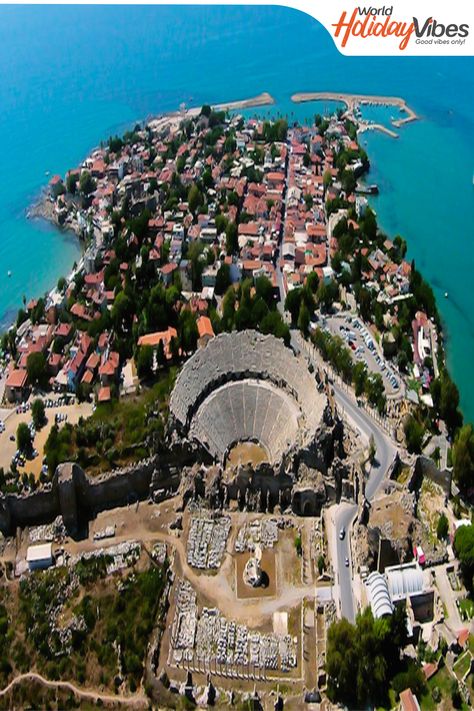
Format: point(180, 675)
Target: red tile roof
point(204, 326)
point(17, 378)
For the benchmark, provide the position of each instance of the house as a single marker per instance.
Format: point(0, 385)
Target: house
point(104, 394)
point(408, 701)
point(16, 389)
point(108, 369)
point(205, 330)
point(167, 272)
point(154, 339)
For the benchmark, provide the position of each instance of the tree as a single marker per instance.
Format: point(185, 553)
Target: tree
point(71, 183)
point(61, 284)
point(122, 312)
point(23, 437)
point(195, 198)
point(327, 179)
point(145, 361)
point(293, 302)
point(231, 238)
point(223, 280)
point(362, 659)
point(359, 377)
point(87, 183)
point(327, 294)
point(414, 432)
point(442, 528)
point(264, 290)
point(38, 413)
point(312, 282)
point(463, 457)
point(304, 319)
point(464, 547)
point(36, 368)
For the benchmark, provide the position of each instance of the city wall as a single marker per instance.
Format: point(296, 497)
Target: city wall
point(76, 496)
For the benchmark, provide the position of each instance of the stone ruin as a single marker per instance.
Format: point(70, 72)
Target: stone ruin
point(246, 387)
point(242, 387)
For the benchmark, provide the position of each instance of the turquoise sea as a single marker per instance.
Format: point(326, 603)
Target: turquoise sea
point(72, 75)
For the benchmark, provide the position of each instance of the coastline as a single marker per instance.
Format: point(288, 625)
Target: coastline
point(44, 208)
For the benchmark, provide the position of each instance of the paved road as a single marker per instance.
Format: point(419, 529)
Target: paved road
point(385, 453)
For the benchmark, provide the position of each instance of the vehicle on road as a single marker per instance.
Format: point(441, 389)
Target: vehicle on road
point(346, 562)
point(342, 533)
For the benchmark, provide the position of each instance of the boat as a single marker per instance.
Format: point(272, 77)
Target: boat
point(9, 273)
point(446, 295)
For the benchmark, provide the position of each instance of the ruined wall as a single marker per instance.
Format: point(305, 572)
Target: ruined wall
point(425, 467)
point(73, 495)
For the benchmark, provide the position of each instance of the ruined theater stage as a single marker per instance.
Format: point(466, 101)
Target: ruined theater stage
point(268, 564)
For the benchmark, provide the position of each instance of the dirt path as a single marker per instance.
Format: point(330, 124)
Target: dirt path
point(138, 700)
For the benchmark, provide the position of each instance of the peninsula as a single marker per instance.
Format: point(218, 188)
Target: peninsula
point(229, 431)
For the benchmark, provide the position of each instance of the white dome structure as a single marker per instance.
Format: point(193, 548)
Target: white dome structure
point(379, 596)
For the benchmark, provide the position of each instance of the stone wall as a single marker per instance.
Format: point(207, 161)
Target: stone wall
point(425, 467)
point(76, 496)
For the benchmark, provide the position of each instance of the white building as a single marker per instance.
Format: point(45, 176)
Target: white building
point(39, 556)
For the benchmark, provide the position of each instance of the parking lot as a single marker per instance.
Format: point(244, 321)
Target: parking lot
point(57, 410)
point(364, 348)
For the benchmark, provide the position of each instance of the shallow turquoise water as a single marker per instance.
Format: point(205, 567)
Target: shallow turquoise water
point(71, 76)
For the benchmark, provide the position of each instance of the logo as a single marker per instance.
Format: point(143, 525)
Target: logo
point(365, 22)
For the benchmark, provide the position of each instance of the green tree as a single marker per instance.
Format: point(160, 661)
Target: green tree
point(222, 279)
point(327, 179)
point(293, 302)
point(38, 413)
point(71, 183)
point(36, 368)
point(463, 457)
point(122, 312)
point(414, 432)
point(145, 361)
point(87, 183)
point(231, 238)
point(264, 290)
point(23, 437)
point(195, 199)
point(359, 377)
point(304, 319)
point(361, 659)
point(443, 527)
point(464, 547)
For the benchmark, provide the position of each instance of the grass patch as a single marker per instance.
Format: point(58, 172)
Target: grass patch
point(462, 665)
point(466, 608)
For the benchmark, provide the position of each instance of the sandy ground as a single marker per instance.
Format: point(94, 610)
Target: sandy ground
point(8, 448)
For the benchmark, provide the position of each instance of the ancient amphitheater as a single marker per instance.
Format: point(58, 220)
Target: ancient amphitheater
point(246, 387)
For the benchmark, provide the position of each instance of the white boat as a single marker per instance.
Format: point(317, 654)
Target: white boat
point(9, 273)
